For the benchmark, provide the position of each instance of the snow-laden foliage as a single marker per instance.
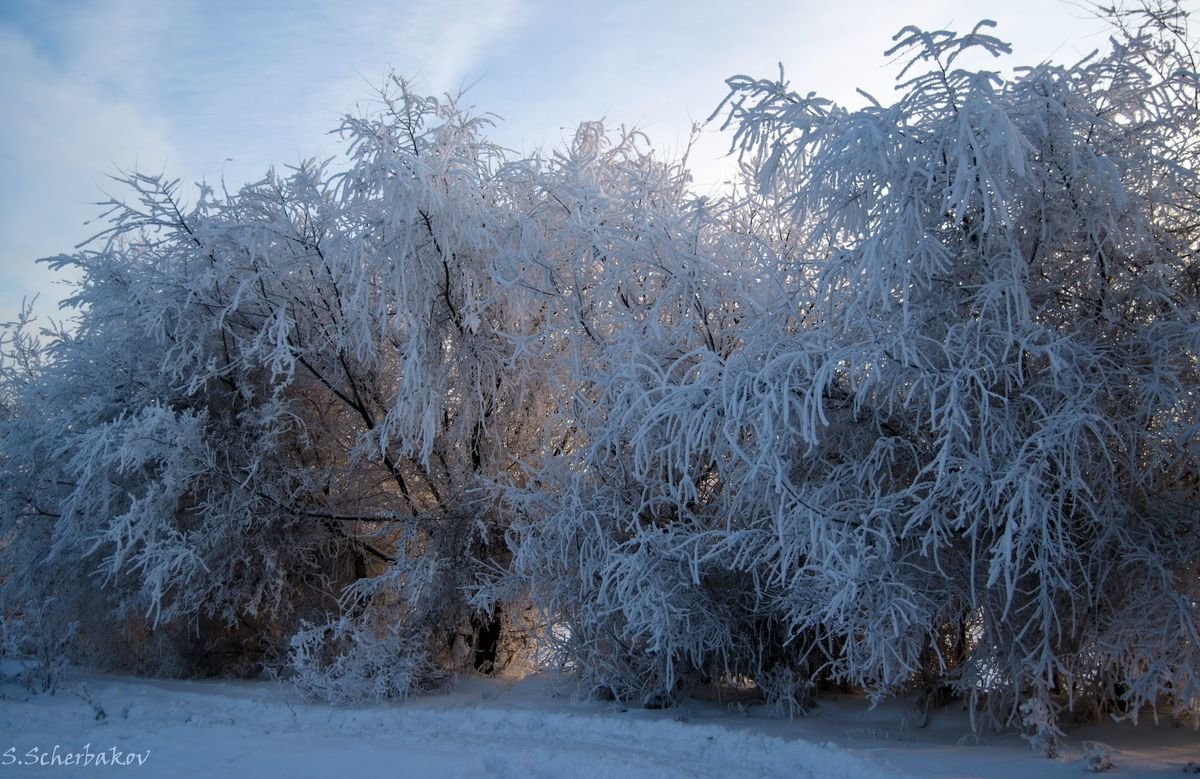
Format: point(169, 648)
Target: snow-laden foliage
point(962, 451)
point(655, 289)
point(915, 410)
point(277, 393)
point(990, 410)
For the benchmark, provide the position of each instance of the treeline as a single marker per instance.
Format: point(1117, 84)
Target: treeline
point(914, 406)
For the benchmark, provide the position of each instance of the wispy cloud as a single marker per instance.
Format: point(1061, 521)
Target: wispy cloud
point(59, 138)
point(195, 89)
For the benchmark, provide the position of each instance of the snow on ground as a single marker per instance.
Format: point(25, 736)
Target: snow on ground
point(510, 728)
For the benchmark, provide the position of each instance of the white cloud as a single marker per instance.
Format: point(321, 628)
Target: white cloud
point(58, 140)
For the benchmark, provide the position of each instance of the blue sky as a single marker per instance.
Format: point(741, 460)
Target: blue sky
point(211, 88)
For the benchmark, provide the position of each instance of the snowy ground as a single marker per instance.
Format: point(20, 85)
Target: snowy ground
point(508, 728)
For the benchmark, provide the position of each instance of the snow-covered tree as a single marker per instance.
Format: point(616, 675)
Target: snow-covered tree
point(655, 280)
point(937, 425)
point(277, 394)
point(983, 436)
